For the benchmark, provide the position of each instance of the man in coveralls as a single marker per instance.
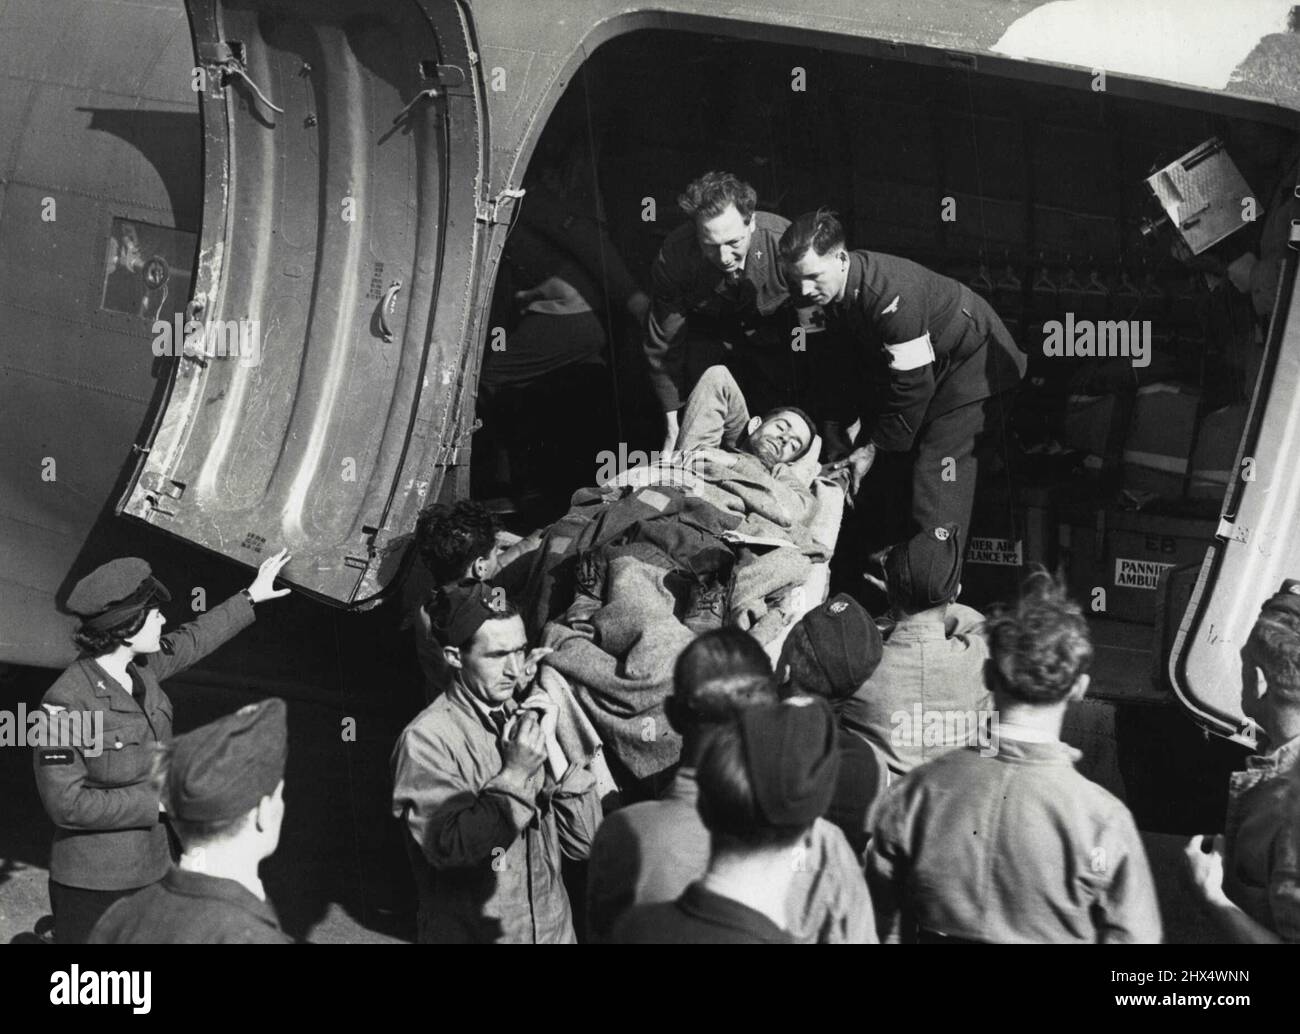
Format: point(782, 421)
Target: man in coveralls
point(939, 368)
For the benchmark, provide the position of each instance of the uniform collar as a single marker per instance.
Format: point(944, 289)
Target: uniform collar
point(1015, 749)
point(190, 884)
point(852, 283)
point(760, 259)
point(703, 904)
point(104, 685)
point(461, 696)
point(1279, 761)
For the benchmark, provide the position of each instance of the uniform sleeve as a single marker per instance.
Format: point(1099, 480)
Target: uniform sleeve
point(1129, 912)
point(72, 803)
point(847, 916)
point(577, 812)
point(716, 412)
point(664, 331)
point(887, 865)
point(196, 639)
point(453, 826)
point(611, 877)
point(908, 384)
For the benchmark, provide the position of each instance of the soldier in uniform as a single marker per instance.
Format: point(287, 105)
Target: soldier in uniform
point(718, 296)
point(224, 792)
point(938, 363)
point(110, 838)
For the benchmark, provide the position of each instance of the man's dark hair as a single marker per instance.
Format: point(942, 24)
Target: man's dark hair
point(450, 538)
point(97, 642)
point(819, 230)
point(710, 195)
point(1041, 646)
point(776, 411)
point(728, 805)
point(717, 675)
point(1274, 647)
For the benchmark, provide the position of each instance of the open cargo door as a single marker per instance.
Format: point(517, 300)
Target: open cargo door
point(1258, 540)
point(324, 387)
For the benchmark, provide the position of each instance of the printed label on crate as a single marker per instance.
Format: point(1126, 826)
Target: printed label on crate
point(1138, 574)
point(1003, 552)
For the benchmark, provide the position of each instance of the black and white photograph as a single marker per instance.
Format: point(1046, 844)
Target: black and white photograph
point(673, 472)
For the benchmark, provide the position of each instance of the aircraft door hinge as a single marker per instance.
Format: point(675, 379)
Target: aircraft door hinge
point(490, 211)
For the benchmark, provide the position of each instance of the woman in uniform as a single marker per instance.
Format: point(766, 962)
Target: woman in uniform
point(110, 838)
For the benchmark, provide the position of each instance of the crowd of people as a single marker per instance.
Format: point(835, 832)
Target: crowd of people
point(893, 777)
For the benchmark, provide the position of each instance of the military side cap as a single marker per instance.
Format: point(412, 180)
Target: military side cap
point(833, 649)
point(793, 759)
point(220, 771)
point(925, 571)
point(115, 593)
point(457, 611)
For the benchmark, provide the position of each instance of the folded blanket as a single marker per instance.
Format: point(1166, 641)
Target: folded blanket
point(622, 670)
point(578, 738)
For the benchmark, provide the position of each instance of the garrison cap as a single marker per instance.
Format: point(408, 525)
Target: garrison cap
point(457, 611)
point(114, 594)
point(793, 759)
point(925, 571)
point(840, 645)
point(220, 771)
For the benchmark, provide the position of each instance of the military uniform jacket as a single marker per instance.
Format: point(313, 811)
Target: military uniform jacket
point(926, 344)
point(486, 849)
point(686, 288)
point(108, 834)
point(190, 908)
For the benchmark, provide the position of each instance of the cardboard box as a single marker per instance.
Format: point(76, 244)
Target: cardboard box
point(1095, 425)
point(1114, 559)
point(1158, 448)
point(1214, 459)
point(1006, 538)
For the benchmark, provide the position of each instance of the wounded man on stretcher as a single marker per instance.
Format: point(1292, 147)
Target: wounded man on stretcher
point(716, 533)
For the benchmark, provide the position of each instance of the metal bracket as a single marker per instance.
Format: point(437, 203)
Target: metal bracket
point(489, 211)
point(444, 75)
point(449, 454)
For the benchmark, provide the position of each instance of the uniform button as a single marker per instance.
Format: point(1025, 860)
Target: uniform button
point(117, 745)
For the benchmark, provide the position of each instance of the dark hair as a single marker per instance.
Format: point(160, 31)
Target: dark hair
point(1041, 647)
point(776, 411)
point(728, 805)
point(1274, 646)
point(819, 230)
point(450, 538)
point(97, 642)
point(718, 674)
point(710, 195)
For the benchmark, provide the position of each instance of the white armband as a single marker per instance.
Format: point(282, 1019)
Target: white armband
point(911, 355)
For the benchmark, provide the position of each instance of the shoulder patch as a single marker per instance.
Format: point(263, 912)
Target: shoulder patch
point(60, 756)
